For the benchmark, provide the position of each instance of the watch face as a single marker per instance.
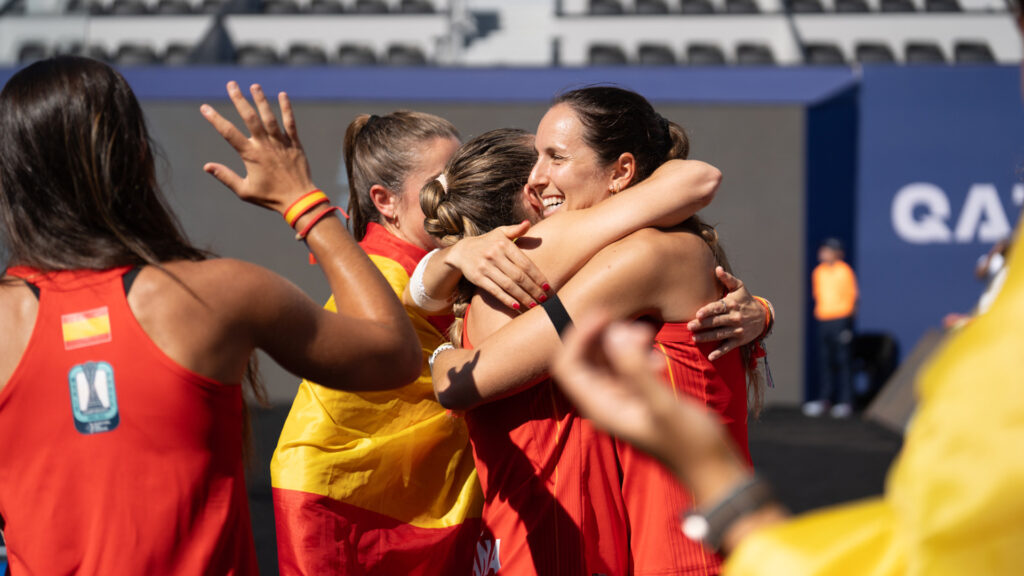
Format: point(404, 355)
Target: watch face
point(695, 527)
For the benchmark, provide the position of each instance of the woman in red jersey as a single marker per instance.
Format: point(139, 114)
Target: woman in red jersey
point(604, 140)
point(121, 410)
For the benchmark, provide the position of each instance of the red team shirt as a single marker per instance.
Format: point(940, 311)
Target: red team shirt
point(562, 498)
point(551, 488)
point(116, 459)
point(654, 498)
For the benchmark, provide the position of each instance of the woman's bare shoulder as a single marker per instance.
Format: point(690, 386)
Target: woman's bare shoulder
point(222, 283)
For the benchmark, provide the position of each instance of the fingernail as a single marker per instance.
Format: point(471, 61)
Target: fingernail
point(546, 286)
point(532, 304)
point(515, 306)
point(543, 297)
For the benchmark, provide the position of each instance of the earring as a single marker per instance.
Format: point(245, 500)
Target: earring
point(618, 188)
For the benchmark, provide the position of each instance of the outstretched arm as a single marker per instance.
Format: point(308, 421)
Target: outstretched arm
point(370, 341)
point(560, 245)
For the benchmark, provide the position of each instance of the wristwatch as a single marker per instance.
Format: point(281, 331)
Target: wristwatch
point(709, 526)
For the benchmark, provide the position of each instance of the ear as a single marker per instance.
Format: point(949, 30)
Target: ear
point(623, 171)
point(385, 201)
point(532, 204)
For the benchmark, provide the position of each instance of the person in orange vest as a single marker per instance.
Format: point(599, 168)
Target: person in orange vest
point(834, 287)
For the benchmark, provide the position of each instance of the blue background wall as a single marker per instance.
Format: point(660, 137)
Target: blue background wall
point(954, 130)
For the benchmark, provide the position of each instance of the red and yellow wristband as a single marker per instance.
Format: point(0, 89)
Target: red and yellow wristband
point(769, 315)
point(304, 204)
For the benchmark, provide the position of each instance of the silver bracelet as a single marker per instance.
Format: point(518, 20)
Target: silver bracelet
point(438, 350)
point(419, 292)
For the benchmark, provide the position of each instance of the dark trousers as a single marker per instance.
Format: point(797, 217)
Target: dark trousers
point(835, 354)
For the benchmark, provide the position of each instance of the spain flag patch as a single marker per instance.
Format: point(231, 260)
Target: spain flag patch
point(86, 328)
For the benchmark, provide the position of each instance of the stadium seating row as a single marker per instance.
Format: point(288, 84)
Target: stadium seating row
point(179, 7)
point(179, 54)
point(521, 33)
point(660, 7)
point(753, 54)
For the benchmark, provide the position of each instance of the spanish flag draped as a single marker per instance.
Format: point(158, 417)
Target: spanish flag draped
point(377, 483)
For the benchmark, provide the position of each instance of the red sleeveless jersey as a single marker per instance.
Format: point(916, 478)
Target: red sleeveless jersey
point(116, 460)
point(551, 488)
point(654, 498)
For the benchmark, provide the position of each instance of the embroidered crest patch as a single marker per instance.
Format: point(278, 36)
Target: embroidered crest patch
point(93, 397)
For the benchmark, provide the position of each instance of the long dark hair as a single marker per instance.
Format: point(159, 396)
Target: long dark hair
point(78, 185)
point(77, 178)
point(616, 121)
point(485, 180)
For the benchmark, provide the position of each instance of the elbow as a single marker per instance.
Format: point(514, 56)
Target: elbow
point(710, 180)
point(409, 360)
point(450, 395)
point(446, 397)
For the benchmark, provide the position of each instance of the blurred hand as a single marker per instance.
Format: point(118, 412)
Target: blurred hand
point(493, 263)
point(612, 375)
point(277, 171)
point(735, 319)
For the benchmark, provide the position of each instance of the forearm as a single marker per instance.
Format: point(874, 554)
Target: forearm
point(465, 378)
point(359, 290)
point(676, 191)
point(433, 282)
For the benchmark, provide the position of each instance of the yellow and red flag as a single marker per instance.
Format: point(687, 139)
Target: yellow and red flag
point(377, 483)
point(85, 328)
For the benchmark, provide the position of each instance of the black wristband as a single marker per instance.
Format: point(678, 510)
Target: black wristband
point(557, 313)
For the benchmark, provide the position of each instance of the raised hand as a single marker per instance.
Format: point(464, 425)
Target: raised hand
point(277, 171)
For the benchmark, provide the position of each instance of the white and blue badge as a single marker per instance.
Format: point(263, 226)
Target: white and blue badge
point(93, 397)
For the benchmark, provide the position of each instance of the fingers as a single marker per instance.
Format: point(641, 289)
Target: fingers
point(291, 128)
point(516, 230)
point(506, 291)
point(224, 127)
point(628, 347)
point(711, 311)
point(267, 117)
point(582, 347)
point(227, 176)
point(245, 110)
point(716, 334)
point(730, 282)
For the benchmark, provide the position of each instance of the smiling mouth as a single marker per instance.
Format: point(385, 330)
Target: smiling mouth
point(551, 203)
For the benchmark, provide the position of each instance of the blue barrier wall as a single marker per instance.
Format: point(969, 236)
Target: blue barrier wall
point(941, 150)
point(713, 85)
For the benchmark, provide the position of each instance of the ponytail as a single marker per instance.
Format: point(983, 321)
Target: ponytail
point(383, 150)
point(361, 210)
